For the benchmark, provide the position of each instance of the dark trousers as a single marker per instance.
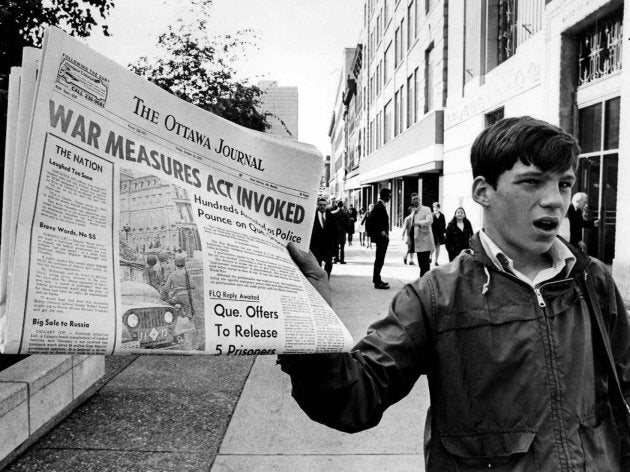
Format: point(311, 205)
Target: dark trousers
point(424, 261)
point(379, 259)
point(341, 251)
point(323, 256)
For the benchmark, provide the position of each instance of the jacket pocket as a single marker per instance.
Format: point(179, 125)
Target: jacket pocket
point(601, 446)
point(499, 451)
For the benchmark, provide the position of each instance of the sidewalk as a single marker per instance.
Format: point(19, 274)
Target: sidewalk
point(224, 414)
point(269, 432)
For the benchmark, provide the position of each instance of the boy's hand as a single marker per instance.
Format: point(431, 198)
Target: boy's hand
point(317, 276)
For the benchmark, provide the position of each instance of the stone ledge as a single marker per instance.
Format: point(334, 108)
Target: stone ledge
point(39, 392)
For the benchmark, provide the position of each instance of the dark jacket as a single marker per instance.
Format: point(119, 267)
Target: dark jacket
point(377, 221)
point(324, 239)
point(576, 224)
point(342, 219)
point(514, 379)
point(457, 240)
point(438, 227)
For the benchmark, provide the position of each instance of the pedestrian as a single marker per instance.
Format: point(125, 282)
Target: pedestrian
point(367, 234)
point(361, 227)
point(578, 221)
point(378, 230)
point(324, 235)
point(458, 234)
point(438, 228)
point(343, 223)
point(407, 235)
point(525, 341)
point(422, 235)
point(352, 214)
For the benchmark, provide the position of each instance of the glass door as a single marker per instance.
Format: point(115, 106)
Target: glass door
point(597, 174)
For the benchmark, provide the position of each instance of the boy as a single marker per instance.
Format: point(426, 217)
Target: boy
point(507, 334)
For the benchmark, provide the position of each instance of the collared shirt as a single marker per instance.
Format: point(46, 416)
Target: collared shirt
point(562, 259)
point(322, 217)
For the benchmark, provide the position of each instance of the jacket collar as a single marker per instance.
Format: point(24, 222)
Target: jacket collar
point(480, 256)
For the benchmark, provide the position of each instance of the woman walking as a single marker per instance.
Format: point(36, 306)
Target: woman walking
point(361, 226)
point(458, 234)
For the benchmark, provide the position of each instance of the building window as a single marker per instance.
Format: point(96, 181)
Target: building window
point(387, 122)
point(512, 22)
point(494, 116)
point(600, 49)
point(416, 86)
point(388, 66)
point(472, 42)
point(429, 58)
point(411, 23)
point(598, 134)
point(379, 28)
point(507, 29)
point(410, 101)
point(399, 38)
point(396, 113)
point(399, 104)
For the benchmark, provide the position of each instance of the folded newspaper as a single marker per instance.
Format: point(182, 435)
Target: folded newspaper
point(136, 222)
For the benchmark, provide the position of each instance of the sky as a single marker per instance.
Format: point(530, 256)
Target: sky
point(300, 43)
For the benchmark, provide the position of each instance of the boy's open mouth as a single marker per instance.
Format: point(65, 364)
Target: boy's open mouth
point(547, 223)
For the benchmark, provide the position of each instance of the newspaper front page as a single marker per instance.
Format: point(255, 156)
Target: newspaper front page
point(150, 225)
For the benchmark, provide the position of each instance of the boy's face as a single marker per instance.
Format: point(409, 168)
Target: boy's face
point(524, 213)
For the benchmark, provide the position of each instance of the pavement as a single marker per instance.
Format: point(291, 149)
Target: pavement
point(236, 414)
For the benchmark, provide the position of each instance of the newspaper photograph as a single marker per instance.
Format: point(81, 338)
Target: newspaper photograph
point(149, 225)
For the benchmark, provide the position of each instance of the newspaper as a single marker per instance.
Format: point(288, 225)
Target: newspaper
point(146, 224)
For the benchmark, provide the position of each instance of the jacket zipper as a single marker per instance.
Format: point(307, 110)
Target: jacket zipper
point(556, 403)
point(541, 300)
point(555, 394)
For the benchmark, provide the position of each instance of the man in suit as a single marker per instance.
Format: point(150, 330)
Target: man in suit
point(343, 223)
point(379, 233)
point(324, 235)
point(577, 223)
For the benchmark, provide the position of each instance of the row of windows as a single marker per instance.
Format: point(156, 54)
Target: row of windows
point(404, 36)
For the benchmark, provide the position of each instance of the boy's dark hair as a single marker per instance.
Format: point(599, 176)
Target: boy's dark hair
point(531, 141)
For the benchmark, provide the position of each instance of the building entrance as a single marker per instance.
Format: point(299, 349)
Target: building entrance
point(597, 174)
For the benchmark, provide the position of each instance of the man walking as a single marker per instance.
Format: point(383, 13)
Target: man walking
point(577, 222)
point(378, 230)
point(524, 339)
point(324, 235)
point(422, 235)
point(342, 220)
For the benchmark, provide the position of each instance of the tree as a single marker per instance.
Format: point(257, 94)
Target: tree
point(200, 69)
point(22, 23)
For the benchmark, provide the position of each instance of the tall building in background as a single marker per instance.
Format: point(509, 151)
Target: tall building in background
point(282, 102)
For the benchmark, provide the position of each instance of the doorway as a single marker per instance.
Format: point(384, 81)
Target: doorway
point(597, 174)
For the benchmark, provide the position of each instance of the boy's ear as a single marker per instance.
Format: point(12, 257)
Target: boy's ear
point(480, 190)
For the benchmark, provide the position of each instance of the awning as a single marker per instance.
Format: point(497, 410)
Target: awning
point(429, 159)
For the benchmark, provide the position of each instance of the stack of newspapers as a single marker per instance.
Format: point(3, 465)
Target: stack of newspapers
point(133, 221)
